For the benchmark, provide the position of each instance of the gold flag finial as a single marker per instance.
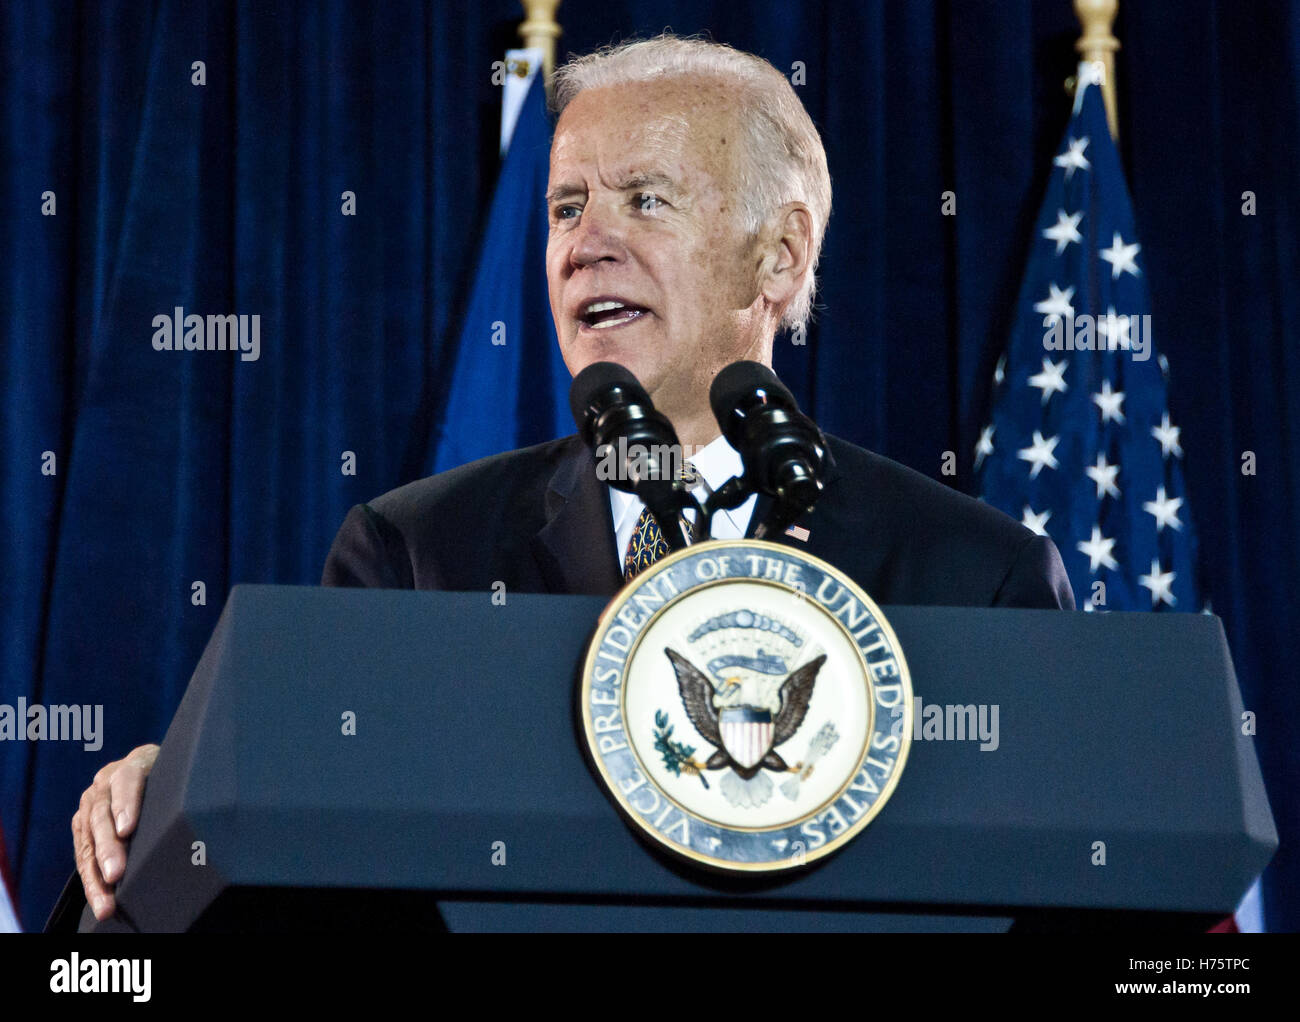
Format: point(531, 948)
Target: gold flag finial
point(1097, 45)
point(540, 29)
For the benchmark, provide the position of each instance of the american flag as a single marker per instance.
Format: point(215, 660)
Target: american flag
point(1081, 446)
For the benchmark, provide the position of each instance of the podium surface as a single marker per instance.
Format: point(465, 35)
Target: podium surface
point(1121, 787)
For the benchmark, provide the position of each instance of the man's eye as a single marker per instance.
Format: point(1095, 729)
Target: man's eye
point(567, 212)
point(649, 202)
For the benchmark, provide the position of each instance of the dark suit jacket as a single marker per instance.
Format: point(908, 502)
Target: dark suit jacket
point(538, 519)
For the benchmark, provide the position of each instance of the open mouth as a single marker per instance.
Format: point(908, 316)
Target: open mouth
point(608, 314)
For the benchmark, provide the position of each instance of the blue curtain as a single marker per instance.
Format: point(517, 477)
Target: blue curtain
point(228, 197)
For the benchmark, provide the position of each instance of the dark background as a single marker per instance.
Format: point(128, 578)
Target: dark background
point(225, 198)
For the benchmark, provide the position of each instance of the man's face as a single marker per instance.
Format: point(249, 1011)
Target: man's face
point(644, 212)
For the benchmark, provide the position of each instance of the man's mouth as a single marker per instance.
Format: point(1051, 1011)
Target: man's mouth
point(606, 314)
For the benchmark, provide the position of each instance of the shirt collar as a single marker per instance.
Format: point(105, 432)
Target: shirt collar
point(716, 462)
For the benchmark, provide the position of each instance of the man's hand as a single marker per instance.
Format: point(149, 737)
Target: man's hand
point(109, 810)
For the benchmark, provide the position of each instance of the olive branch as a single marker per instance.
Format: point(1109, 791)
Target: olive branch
point(678, 757)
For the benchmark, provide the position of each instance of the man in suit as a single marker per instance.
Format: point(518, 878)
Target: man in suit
point(539, 520)
point(688, 199)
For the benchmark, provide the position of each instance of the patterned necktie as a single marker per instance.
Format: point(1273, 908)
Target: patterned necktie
point(647, 544)
point(645, 547)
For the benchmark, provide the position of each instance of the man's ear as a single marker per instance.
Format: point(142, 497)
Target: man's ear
point(787, 254)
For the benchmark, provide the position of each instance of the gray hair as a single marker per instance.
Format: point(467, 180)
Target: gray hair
point(784, 160)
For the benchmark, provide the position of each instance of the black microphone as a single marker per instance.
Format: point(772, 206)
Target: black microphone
point(617, 419)
point(783, 451)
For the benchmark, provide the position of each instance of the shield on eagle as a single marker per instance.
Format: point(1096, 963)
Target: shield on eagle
point(746, 733)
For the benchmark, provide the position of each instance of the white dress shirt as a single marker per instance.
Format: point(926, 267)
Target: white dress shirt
point(715, 463)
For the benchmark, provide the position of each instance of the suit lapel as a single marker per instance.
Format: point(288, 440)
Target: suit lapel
point(575, 548)
point(764, 504)
point(761, 507)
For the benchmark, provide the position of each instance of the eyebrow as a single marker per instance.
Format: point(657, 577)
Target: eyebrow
point(562, 191)
point(629, 182)
point(645, 179)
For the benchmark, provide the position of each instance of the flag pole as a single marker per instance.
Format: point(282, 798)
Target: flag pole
point(540, 29)
point(1098, 45)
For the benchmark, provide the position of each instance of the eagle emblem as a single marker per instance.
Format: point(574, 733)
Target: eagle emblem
point(743, 727)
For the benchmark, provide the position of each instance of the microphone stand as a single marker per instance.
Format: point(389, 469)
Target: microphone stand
point(666, 500)
point(678, 534)
point(730, 494)
point(735, 491)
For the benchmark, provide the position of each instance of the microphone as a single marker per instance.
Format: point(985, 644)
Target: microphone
point(783, 451)
point(617, 419)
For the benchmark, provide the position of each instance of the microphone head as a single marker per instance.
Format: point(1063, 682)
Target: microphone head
point(615, 415)
point(597, 388)
point(782, 449)
point(746, 383)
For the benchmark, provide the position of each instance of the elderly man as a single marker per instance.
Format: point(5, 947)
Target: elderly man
point(688, 199)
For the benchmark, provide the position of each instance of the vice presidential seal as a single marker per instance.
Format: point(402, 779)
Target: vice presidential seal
point(747, 705)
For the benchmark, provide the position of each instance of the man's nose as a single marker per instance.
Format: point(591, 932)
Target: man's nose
point(596, 238)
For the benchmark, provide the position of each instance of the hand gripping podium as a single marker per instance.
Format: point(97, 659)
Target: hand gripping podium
point(464, 800)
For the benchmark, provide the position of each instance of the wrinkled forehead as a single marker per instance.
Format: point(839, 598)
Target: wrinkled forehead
point(687, 127)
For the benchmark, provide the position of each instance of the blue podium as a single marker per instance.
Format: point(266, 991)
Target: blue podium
point(1122, 791)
